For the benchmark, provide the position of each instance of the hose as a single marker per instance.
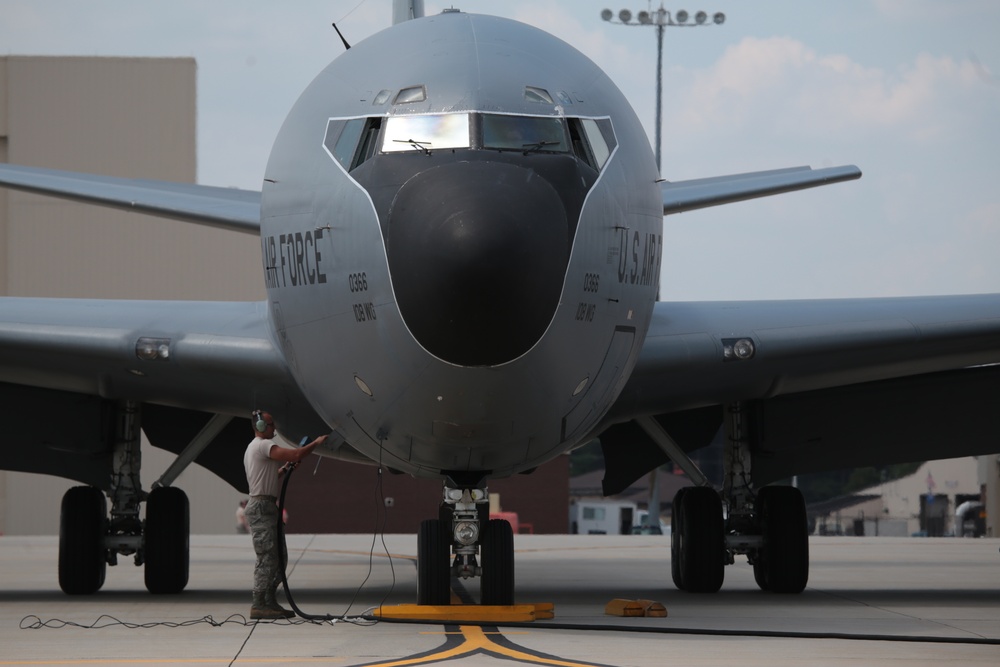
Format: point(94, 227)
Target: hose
point(281, 556)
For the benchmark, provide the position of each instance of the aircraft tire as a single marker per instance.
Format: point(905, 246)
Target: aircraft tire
point(82, 525)
point(497, 581)
point(785, 557)
point(702, 546)
point(675, 538)
point(760, 574)
point(433, 563)
point(167, 540)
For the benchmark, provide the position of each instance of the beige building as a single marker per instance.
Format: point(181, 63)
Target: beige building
point(131, 117)
point(894, 508)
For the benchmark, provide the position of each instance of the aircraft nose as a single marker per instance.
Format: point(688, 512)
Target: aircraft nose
point(477, 252)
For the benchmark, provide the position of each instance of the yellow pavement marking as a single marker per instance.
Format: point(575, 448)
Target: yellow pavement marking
point(476, 640)
point(485, 632)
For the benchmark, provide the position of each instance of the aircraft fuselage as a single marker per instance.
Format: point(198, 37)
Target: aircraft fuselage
point(461, 236)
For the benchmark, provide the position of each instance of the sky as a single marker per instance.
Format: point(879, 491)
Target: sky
point(908, 90)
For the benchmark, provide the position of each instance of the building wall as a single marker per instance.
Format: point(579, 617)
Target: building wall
point(131, 117)
point(949, 477)
point(326, 496)
point(897, 509)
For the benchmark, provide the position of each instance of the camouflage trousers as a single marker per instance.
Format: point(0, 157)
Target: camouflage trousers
point(262, 518)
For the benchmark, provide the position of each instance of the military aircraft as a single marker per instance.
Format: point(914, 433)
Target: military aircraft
point(461, 248)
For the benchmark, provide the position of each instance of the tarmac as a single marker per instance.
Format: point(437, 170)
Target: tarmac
point(907, 601)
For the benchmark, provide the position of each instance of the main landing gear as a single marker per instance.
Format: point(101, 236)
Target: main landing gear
point(769, 527)
point(453, 544)
point(90, 539)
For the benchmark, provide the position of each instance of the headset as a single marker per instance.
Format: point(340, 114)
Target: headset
point(259, 424)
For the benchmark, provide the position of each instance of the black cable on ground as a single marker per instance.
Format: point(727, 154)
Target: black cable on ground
point(32, 622)
point(243, 646)
point(772, 634)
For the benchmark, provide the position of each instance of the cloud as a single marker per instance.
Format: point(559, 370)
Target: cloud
point(925, 218)
point(780, 83)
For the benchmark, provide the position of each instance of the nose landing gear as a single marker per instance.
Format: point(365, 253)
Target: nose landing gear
point(462, 532)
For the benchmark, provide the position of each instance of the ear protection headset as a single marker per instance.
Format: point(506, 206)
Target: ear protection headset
point(259, 424)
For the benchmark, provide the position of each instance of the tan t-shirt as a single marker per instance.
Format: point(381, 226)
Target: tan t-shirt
point(262, 470)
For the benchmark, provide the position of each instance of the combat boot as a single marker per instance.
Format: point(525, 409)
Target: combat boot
point(271, 603)
point(260, 611)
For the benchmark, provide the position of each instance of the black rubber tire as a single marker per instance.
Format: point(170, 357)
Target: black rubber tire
point(82, 525)
point(784, 559)
point(496, 585)
point(434, 563)
point(676, 521)
point(760, 574)
point(701, 546)
point(167, 540)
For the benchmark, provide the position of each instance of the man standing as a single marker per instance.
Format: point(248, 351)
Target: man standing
point(265, 461)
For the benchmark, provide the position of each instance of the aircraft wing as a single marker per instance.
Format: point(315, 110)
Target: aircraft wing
point(226, 208)
point(803, 345)
point(187, 354)
point(65, 363)
point(680, 196)
point(831, 383)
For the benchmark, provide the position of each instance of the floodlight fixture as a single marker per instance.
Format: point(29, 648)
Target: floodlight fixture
point(661, 18)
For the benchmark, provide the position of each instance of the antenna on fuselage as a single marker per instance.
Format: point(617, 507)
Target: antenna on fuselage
point(346, 45)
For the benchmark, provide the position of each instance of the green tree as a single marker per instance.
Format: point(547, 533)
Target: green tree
point(587, 458)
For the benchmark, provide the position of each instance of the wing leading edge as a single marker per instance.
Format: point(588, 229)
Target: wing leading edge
point(210, 356)
point(680, 196)
point(803, 346)
point(225, 208)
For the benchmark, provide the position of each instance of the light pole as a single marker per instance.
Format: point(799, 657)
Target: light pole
point(661, 18)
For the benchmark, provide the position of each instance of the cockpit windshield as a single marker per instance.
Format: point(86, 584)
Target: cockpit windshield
point(354, 141)
point(524, 133)
point(426, 133)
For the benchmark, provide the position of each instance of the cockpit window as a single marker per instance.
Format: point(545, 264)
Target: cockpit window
point(598, 146)
point(411, 95)
point(536, 94)
point(426, 133)
point(344, 145)
point(524, 133)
